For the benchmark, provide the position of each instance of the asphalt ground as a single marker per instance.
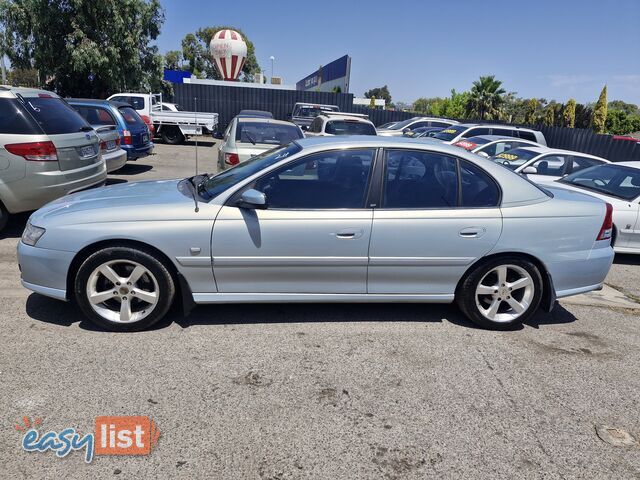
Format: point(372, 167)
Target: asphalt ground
point(322, 391)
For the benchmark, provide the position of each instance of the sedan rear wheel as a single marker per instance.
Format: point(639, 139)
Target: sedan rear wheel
point(501, 293)
point(121, 288)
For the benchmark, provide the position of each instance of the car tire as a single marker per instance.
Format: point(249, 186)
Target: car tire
point(131, 289)
point(501, 293)
point(4, 216)
point(172, 135)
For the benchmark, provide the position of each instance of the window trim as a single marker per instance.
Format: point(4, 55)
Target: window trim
point(458, 160)
point(234, 198)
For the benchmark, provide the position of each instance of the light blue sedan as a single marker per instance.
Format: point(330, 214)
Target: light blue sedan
point(339, 219)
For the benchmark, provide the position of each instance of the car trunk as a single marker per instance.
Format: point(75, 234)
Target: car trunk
point(245, 152)
point(76, 150)
point(109, 135)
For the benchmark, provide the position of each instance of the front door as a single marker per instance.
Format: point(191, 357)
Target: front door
point(431, 227)
point(313, 237)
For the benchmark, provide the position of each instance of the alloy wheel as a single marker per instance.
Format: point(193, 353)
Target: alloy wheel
point(505, 293)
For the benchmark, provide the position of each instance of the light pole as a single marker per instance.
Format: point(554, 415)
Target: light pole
point(272, 58)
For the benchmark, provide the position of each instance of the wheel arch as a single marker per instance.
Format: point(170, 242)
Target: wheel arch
point(548, 290)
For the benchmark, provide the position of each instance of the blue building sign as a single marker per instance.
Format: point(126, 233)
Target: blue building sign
point(327, 77)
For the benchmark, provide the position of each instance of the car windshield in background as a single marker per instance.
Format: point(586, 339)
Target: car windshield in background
point(55, 116)
point(401, 125)
point(214, 186)
point(477, 140)
point(312, 111)
point(349, 127)
point(131, 117)
point(94, 115)
point(512, 159)
point(615, 180)
point(266, 133)
point(450, 133)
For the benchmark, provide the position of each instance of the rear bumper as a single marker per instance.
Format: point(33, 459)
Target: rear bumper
point(39, 188)
point(574, 277)
point(134, 152)
point(115, 160)
point(44, 270)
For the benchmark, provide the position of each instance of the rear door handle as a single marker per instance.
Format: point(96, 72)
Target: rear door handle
point(472, 232)
point(349, 234)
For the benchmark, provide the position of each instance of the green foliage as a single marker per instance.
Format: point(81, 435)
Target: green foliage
point(336, 89)
point(450, 107)
point(628, 108)
point(549, 115)
point(486, 98)
point(600, 112)
point(530, 111)
point(620, 123)
point(583, 116)
point(569, 114)
point(66, 41)
point(372, 102)
point(173, 59)
point(24, 77)
point(380, 92)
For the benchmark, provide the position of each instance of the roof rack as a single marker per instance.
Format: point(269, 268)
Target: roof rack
point(345, 114)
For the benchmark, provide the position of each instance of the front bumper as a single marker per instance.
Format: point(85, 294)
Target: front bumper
point(44, 270)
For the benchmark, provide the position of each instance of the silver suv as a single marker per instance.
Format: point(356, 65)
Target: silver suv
point(46, 150)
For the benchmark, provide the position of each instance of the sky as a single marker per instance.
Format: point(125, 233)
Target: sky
point(557, 49)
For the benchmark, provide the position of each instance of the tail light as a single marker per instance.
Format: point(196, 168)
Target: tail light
point(118, 142)
point(231, 158)
point(607, 225)
point(149, 123)
point(127, 137)
point(103, 145)
point(34, 151)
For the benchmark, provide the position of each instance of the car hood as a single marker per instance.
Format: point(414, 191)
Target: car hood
point(123, 202)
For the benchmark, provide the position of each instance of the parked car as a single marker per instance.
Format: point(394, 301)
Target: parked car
point(422, 132)
point(255, 114)
point(491, 145)
point(318, 220)
point(169, 107)
point(335, 123)
point(619, 185)
point(135, 138)
point(304, 113)
point(246, 137)
point(97, 114)
point(172, 126)
point(386, 125)
point(47, 150)
point(455, 133)
point(400, 128)
point(545, 165)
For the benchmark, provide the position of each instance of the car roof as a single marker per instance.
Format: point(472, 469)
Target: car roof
point(496, 125)
point(559, 151)
point(27, 92)
point(118, 104)
point(263, 120)
point(255, 113)
point(347, 116)
point(87, 101)
point(493, 138)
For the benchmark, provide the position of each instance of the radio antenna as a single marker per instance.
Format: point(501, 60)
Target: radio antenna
point(195, 193)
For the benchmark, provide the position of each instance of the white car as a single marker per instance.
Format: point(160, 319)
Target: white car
point(491, 145)
point(545, 165)
point(330, 124)
point(400, 128)
point(619, 185)
point(246, 137)
point(461, 131)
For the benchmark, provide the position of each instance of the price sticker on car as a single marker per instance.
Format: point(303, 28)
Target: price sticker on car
point(466, 145)
point(449, 130)
point(507, 156)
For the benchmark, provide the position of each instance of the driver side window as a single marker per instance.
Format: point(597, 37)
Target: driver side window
point(326, 180)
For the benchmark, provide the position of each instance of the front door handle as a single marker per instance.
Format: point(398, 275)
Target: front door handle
point(472, 232)
point(349, 234)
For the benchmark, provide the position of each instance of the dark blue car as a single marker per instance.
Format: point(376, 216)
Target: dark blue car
point(134, 133)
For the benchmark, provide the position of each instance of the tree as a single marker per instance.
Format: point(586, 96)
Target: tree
point(486, 98)
point(85, 48)
point(372, 103)
point(336, 89)
point(380, 92)
point(600, 112)
point(423, 105)
point(173, 59)
point(583, 116)
point(569, 114)
point(195, 50)
point(530, 111)
point(628, 108)
point(549, 115)
point(24, 78)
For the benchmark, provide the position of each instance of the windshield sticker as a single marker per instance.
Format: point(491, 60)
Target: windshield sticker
point(507, 156)
point(450, 130)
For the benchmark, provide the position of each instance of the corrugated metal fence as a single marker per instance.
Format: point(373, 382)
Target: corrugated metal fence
point(228, 101)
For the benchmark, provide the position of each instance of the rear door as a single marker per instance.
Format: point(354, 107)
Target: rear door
point(437, 216)
point(76, 142)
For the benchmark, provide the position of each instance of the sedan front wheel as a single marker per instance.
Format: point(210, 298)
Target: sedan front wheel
point(124, 289)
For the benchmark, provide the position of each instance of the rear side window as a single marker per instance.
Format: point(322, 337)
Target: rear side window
point(438, 124)
point(528, 136)
point(476, 131)
point(580, 163)
point(55, 116)
point(14, 118)
point(95, 115)
point(505, 132)
point(478, 188)
point(131, 116)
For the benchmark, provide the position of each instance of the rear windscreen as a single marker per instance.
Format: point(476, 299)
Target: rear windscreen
point(15, 119)
point(265, 132)
point(95, 115)
point(55, 116)
point(131, 116)
point(349, 127)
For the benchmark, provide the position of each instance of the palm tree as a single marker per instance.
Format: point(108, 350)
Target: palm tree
point(486, 98)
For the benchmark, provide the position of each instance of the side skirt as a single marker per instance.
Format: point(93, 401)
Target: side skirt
point(203, 298)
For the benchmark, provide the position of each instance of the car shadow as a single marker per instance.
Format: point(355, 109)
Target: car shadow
point(133, 169)
point(52, 311)
point(626, 259)
point(15, 225)
point(115, 181)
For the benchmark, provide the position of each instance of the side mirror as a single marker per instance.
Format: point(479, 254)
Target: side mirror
point(253, 199)
point(483, 154)
point(530, 170)
point(405, 130)
point(217, 135)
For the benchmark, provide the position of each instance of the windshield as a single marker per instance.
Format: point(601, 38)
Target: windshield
point(450, 133)
point(55, 116)
point(349, 127)
point(615, 180)
point(266, 133)
point(313, 110)
point(403, 124)
point(514, 158)
point(214, 186)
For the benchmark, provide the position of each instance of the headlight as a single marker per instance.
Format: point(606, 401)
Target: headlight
point(32, 234)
